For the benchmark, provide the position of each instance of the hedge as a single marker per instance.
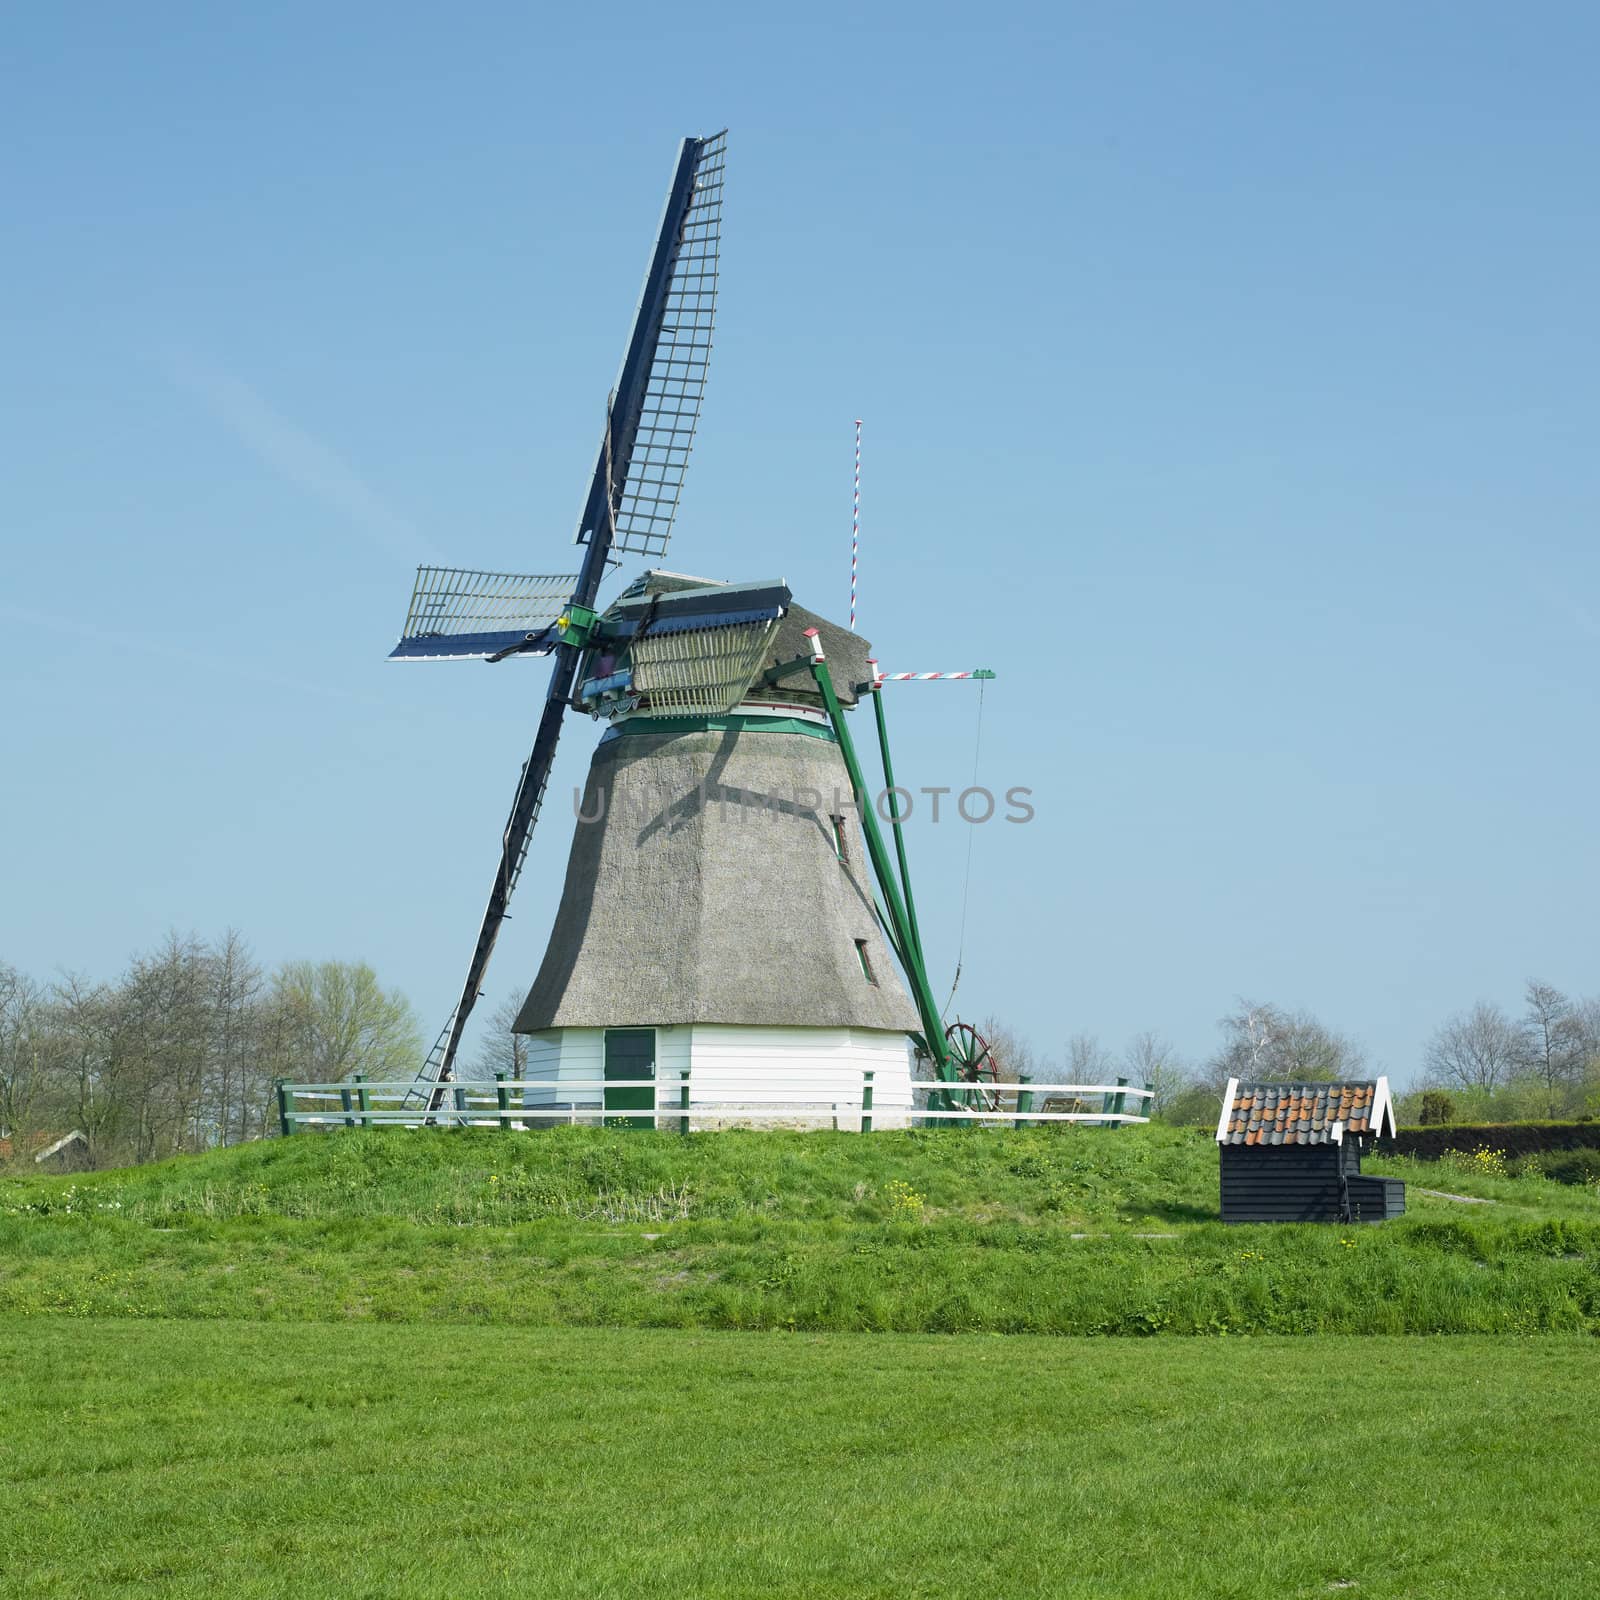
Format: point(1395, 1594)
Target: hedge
point(1515, 1138)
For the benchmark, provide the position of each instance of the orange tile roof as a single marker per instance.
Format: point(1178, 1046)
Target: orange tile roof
point(1304, 1113)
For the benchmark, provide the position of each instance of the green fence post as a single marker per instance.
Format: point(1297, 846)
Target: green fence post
point(502, 1097)
point(866, 1101)
point(460, 1099)
point(285, 1115)
point(1147, 1102)
point(345, 1105)
point(683, 1100)
point(1119, 1102)
point(364, 1099)
point(1024, 1100)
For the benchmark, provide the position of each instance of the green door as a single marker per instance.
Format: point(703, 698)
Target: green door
point(630, 1055)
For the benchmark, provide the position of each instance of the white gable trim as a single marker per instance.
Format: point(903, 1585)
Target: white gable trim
point(1382, 1106)
point(76, 1136)
point(1227, 1109)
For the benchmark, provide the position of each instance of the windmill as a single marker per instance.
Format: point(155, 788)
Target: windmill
point(718, 909)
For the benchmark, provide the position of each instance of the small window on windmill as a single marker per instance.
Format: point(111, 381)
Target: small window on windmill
point(841, 840)
point(866, 965)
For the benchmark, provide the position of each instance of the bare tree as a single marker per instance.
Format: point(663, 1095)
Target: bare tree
point(24, 1056)
point(502, 1050)
point(90, 1062)
point(1555, 1041)
point(1267, 1043)
point(164, 1034)
point(239, 1087)
point(1150, 1060)
point(1088, 1062)
point(1477, 1049)
point(1586, 1031)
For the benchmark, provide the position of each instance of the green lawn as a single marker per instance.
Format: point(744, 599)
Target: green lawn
point(233, 1459)
point(479, 1363)
point(945, 1231)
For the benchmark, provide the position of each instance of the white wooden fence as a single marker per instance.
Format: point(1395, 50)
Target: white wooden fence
point(481, 1104)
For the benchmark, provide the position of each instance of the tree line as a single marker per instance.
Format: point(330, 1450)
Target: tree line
point(1484, 1064)
point(180, 1052)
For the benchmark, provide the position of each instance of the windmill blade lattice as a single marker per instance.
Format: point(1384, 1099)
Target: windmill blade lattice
point(459, 614)
point(652, 441)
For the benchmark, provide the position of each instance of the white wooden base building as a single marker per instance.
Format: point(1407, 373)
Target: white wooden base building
point(786, 1077)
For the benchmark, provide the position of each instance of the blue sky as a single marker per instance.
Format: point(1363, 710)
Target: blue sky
point(1230, 381)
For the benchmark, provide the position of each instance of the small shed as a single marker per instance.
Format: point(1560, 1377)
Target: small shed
point(64, 1153)
point(1291, 1152)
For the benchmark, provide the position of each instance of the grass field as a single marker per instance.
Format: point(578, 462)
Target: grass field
point(943, 1231)
point(596, 1363)
point(234, 1459)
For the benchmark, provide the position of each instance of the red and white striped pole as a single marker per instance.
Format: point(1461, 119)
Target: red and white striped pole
point(929, 677)
point(855, 528)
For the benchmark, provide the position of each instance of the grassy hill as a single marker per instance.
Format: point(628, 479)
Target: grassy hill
point(260, 1431)
point(1037, 1231)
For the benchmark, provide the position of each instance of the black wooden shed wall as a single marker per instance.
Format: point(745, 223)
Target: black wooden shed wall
point(1300, 1183)
point(1284, 1182)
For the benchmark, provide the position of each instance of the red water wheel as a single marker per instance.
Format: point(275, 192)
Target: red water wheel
point(975, 1062)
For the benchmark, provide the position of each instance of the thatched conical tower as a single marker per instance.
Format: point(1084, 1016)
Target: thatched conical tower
point(717, 914)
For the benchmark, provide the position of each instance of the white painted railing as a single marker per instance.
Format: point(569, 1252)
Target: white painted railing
point(481, 1104)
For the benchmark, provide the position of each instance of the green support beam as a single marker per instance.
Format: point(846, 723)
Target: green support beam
point(910, 946)
point(894, 821)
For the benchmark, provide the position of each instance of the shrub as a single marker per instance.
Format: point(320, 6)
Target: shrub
point(1576, 1167)
point(1515, 1138)
point(1437, 1108)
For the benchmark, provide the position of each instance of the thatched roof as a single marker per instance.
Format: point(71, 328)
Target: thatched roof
point(846, 653)
point(710, 890)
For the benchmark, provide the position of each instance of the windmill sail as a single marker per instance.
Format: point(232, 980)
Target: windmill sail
point(462, 615)
point(632, 500)
point(651, 427)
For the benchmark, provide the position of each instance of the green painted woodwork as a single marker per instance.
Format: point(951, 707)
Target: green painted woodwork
point(895, 823)
point(577, 624)
point(907, 945)
point(629, 1053)
point(1024, 1099)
